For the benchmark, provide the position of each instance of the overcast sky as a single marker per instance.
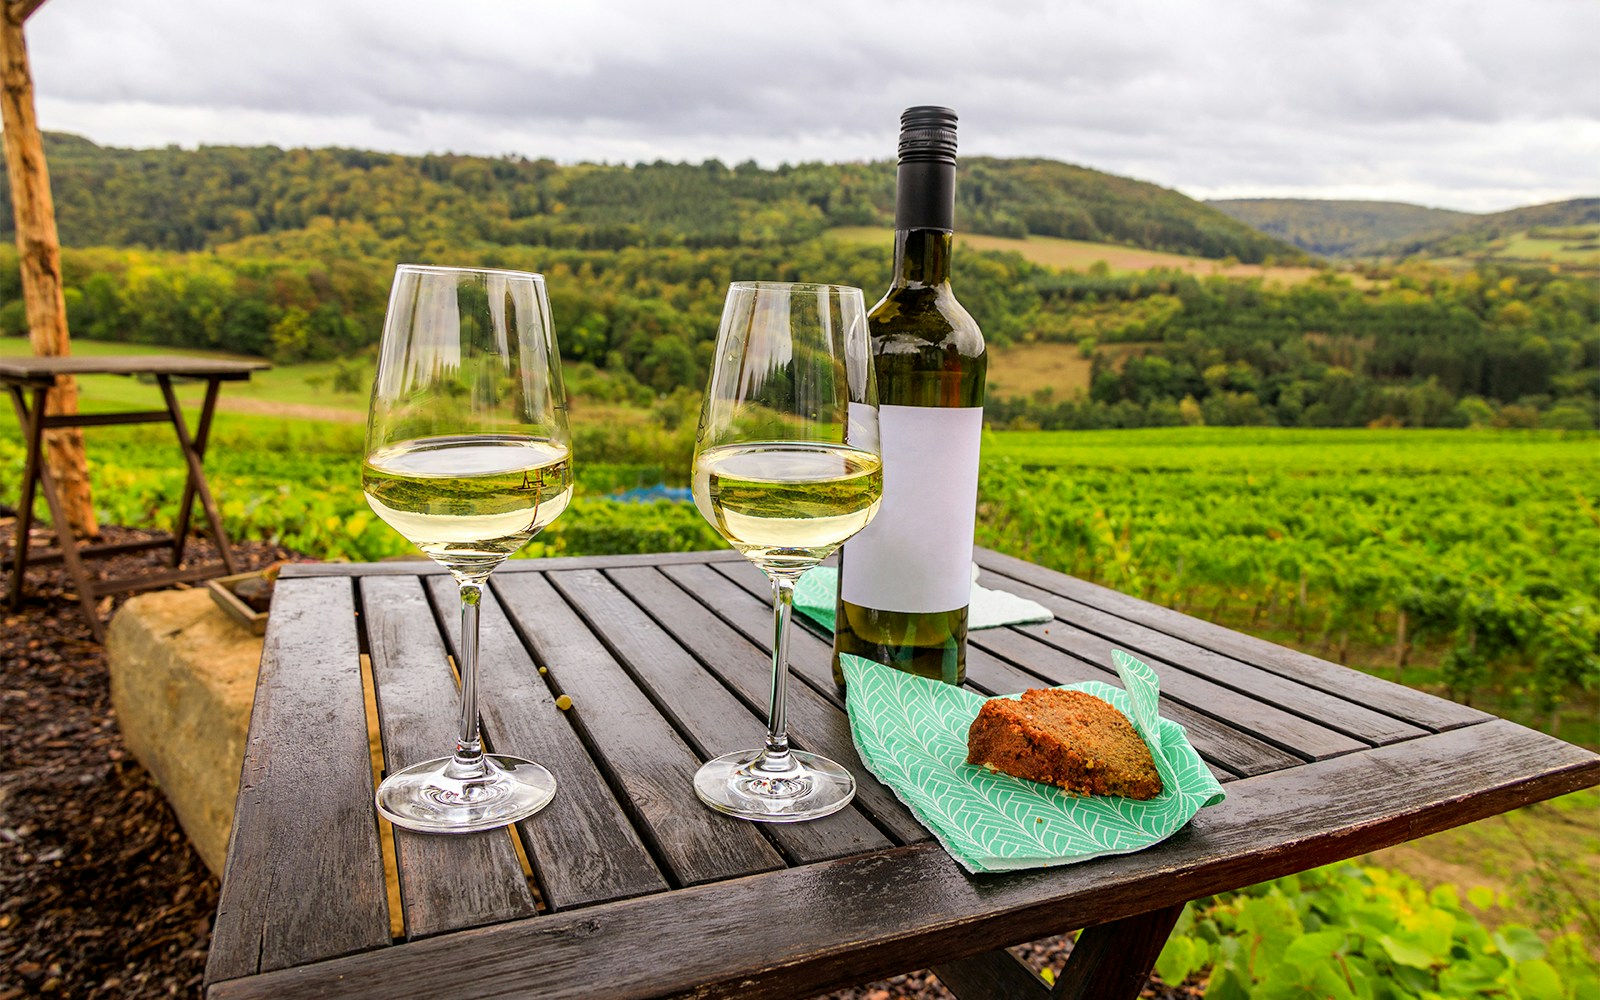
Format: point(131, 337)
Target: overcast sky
point(1477, 106)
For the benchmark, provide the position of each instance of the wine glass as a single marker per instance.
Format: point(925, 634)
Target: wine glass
point(786, 467)
point(468, 456)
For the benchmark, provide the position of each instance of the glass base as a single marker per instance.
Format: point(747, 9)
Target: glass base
point(794, 787)
point(423, 798)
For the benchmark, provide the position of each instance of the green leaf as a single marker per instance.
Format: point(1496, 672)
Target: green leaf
point(1403, 951)
point(1537, 980)
point(1272, 921)
point(1226, 985)
point(1289, 982)
point(1181, 956)
point(1518, 943)
point(1481, 896)
point(1315, 949)
point(1471, 976)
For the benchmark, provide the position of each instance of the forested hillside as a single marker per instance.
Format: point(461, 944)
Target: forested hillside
point(1339, 228)
point(174, 199)
point(1572, 225)
point(288, 255)
point(1387, 229)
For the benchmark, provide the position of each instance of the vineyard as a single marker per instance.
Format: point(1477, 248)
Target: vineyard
point(1459, 561)
point(1463, 562)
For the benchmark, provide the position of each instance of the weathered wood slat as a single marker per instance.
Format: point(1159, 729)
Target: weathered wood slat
point(818, 724)
point(639, 749)
point(446, 883)
point(1228, 747)
point(986, 673)
point(1112, 961)
point(427, 567)
point(311, 882)
point(1413, 706)
point(582, 846)
point(1267, 723)
point(993, 975)
point(47, 368)
point(1328, 710)
point(911, 906)
point(710, 716)
point(744, 602)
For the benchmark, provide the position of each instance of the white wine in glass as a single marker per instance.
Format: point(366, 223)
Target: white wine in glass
point(468, 457)
point(786, 467)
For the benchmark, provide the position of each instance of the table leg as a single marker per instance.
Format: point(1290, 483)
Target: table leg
point(33, 436)
point(38, 471)
point(197, 479)
point(1113, 961)
point(202, 435)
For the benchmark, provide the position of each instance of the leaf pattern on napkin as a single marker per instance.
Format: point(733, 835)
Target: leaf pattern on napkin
point(912, 734)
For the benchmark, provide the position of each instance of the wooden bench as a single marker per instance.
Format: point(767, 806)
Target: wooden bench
point(638, 890)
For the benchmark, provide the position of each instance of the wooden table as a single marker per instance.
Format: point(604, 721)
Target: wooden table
point(642, 892)
point(35, 377)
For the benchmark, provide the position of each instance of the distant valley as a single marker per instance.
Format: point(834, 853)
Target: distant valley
point(1565, 234)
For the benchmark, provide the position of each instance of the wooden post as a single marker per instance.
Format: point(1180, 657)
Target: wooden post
point(39, 248)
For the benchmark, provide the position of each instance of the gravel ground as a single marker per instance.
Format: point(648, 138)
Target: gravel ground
point(101, 894)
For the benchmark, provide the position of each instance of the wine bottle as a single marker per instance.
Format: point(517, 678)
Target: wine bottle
point(905, 581)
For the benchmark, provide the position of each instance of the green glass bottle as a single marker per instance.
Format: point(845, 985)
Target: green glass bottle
point(906, 580)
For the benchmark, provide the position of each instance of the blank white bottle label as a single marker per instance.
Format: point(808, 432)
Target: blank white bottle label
point(916, 555)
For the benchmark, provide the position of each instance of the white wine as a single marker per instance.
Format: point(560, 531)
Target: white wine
point(469, 501)
point(787, 505)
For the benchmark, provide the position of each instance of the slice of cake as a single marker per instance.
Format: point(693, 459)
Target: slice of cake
point(1065, 738)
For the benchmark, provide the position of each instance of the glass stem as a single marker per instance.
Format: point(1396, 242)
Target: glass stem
point(468, 761)
point(777, 757)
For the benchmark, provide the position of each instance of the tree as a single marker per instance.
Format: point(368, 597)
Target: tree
point(39, 248)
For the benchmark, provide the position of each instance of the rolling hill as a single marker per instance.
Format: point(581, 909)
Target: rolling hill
point(1563, 234)
point(200, 199)
point(1339, 228)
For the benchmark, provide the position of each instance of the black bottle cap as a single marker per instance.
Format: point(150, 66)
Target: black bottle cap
point(927, 135)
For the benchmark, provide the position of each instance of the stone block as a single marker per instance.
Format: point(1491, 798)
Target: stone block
point(183, 677)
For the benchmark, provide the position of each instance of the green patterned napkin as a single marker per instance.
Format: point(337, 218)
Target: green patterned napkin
point(815, 596)
point(912, 734)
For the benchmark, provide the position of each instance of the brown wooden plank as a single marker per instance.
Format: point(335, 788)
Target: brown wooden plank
point(708, 715)
point(1112, 961)
point(37, 368)
point(446, 883)
point(742, 597)
point(304, 878)
point(1219, 744)
point(640, 752)
point(582, 846)
point(427, 567)
point(745, 667)
point(163, 578)
point(704, 643)
point(1328, 710)
point(986, 674)
point(993, 975)
point(1265, 723)
point(848, 921)
point(1406, 703)
point(106, 419)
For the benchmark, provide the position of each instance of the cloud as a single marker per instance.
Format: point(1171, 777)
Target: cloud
point(1451, 102)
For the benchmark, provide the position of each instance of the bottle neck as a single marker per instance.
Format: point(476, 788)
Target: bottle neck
point(922, 257)
point(924, 218)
